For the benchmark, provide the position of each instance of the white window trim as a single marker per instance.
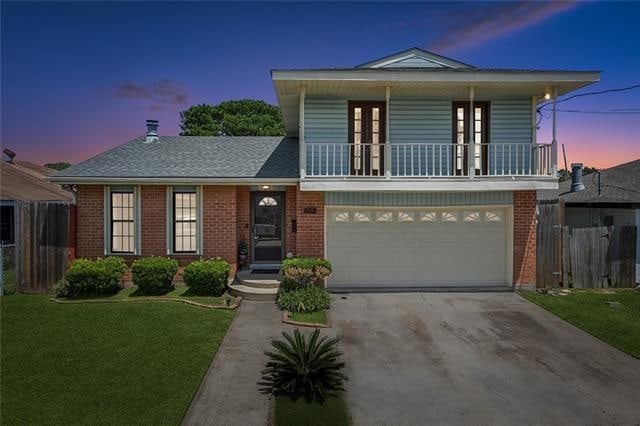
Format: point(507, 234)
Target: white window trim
point(107, 222)
point(169, 225)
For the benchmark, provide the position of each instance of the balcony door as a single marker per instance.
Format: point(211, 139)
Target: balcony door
point(366, 138)
point(463, 123)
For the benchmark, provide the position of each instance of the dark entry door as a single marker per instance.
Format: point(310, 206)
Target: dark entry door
point(267, 225)
point(465, 122)
point(366, 138)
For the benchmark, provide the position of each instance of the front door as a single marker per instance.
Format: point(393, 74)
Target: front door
point(267, 226)
point(366, 138)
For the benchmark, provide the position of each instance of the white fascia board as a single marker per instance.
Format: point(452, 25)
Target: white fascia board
point(171, 181)
point(414, 185)
point(439, 76)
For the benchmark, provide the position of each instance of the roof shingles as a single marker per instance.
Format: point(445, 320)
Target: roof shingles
point(194, 157)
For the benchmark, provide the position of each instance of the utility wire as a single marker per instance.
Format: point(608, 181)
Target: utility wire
point(621, 89)
point(599, 112)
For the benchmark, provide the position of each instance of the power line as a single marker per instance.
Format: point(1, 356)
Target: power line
point(621, 89)
point(613, 112)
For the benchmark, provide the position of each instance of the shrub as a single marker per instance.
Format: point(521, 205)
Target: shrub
point(9, 282)
point(207, 277)
point(304, 368)
point(288, 284)
point(154, 275)
point(309, 298)
point(92, 277)
point(306, 270)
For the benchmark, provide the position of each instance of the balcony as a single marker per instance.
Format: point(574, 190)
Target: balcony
point(406, 161)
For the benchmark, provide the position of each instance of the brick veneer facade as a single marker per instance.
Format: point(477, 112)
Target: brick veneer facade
point(524, 238)
point(89, 221)
point(290, 214)
point(310, 235)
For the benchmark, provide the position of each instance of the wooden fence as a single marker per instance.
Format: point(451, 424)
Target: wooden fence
point(42, 243)
point(585, 257)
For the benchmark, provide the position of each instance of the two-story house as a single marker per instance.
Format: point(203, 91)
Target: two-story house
point(410, 171)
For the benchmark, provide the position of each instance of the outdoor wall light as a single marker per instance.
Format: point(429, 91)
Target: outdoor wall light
point(265, 186)
point(547, 96)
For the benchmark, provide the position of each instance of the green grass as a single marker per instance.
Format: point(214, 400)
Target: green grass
point(103, 363)
point(180, 291)
point(318, 317)
point(332, 412)
point(619, 327)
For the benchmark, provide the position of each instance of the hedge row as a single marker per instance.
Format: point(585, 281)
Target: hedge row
point(152, 275)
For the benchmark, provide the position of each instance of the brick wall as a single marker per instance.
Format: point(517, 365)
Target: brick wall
point(243, 203)
point(310, 236)
point(153, 226)
point(219, 222)
point(290, 214)
point(524, 238)
point(89, 221)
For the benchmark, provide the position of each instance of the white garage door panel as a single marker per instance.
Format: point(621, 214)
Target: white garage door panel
point(381, 247)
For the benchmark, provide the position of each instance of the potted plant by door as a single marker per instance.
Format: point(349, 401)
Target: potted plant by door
point(243, 251)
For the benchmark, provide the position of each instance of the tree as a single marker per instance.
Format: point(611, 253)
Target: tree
point(60, 165)
point(246, 117)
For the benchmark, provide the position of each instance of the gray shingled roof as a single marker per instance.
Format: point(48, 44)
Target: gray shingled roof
point(194, 157)
point(619, 184)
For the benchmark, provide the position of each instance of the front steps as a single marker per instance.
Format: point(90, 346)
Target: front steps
point(255, 286)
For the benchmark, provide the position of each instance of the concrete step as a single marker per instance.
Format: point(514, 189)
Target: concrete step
point(253, 293)
point(246, 278)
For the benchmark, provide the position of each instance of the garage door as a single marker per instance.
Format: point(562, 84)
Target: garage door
point(395, 247)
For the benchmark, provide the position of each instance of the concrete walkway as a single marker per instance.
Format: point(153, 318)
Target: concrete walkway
point(229, 394)
point(442, 358)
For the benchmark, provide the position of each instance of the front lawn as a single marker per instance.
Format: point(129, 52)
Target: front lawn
point(588, 310)
point(318, 317)
point(301, 413)
point(179, 292)
point(115, 363)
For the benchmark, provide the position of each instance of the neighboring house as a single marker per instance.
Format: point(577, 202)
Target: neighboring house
point(613, 199)
point(413, 170)
point(23, 181)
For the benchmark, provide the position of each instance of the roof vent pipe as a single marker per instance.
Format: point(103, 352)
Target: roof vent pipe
point(152, 131)
point(576, 177)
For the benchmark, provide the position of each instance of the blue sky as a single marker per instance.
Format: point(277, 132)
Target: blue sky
point(81, 77)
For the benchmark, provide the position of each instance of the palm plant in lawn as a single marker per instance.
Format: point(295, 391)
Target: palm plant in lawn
point(304, 367)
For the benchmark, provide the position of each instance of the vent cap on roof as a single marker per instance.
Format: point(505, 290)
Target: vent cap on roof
point(8, 155)
point(152, 131)
point(576, 177)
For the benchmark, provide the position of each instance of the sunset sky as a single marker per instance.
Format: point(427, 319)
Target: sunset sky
point(79, 78)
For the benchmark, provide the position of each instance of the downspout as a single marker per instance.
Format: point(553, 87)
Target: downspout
point(554, 140)
point(471, 152)
point(387, 143)
point(301, 134)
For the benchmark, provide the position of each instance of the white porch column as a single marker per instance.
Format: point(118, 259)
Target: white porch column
point(301, 134)
point(471, 152)
point(387, 142)
point(554, 140)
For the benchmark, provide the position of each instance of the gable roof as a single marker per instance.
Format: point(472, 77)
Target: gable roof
point(193, 158)
point(25, 181)
point(414, 58)
point(619, 185)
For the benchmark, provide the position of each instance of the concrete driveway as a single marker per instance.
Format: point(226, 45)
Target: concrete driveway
point(450, 358)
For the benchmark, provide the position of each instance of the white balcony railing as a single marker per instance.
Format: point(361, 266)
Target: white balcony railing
point(418, 160)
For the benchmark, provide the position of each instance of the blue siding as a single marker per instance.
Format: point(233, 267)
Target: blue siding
point(423, 121)
point(399, 199)
point(325, 120)
point(426, 122)
point(510, 123)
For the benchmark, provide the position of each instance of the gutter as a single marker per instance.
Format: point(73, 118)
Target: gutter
point(80, 180)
